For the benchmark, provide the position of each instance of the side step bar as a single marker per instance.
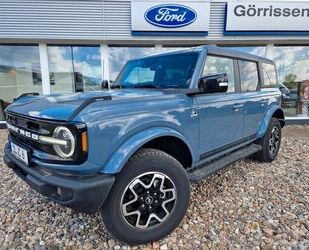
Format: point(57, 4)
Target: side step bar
point(215, 165)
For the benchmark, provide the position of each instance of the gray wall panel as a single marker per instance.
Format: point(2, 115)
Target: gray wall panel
point(217, 16)
point(51, 19)
point(117, 19)
point(99, 20)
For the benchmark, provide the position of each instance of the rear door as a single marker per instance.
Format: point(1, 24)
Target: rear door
point(220, 114)
point(255, 101)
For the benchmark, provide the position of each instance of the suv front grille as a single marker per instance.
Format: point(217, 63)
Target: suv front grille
point(31, 126)
point(23, 123)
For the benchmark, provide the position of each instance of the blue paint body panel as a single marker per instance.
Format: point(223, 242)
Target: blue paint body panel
point(117, 128)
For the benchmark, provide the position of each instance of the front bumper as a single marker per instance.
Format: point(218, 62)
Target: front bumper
point(82, 193)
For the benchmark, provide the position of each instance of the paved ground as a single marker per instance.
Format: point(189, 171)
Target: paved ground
point(246, 205)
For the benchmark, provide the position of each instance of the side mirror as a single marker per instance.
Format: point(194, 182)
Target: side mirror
point(213, 83)
point(104, 84)
point(284, 90)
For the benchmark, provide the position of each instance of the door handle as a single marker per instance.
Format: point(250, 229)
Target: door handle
point(237, 107)
point(263, 102)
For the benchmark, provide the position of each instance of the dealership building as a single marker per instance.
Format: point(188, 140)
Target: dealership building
point(67, 46)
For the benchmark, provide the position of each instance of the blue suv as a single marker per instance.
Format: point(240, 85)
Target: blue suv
point(130, 151)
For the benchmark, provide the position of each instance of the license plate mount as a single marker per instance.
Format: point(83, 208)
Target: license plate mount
point(20, 153)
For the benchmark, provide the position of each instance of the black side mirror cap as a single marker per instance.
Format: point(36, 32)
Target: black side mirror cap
point(217, 83)
point(104, 84)
point(284, 90)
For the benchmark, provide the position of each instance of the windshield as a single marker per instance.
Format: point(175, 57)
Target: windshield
point(164, 71)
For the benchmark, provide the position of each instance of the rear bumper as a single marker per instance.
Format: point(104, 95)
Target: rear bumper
point(82, 193)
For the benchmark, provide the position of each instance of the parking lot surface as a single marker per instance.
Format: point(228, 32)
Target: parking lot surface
point(248, 204)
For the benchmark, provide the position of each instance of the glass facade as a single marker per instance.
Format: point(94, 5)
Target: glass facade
point(118, 56)
point(74, 68)
point(20, 72)
point(293, 71)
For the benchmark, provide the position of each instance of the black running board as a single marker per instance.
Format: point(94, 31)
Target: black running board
point(213, 166)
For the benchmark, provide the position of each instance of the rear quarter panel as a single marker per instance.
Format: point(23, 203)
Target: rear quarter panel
point(275, 99)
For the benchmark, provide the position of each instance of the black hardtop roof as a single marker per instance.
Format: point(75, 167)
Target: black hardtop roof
point(236, 54)
point(221, 51)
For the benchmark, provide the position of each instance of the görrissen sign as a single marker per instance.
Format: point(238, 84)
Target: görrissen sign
point(267, 18)
point(169, 18)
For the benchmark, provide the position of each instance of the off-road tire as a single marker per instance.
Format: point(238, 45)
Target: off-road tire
point(145, 161)
point(266, 155)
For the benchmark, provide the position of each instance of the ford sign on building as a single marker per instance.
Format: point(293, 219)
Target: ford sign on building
point(190, 18)
point(68, 46)
point(170, 16)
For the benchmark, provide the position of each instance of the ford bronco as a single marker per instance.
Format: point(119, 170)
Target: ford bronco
point(130, 151)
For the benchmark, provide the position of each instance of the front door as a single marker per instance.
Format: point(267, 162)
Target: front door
point(220, 114)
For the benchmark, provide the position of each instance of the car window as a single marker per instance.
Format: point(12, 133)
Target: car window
point(269, 74)
point(249, 75)
point(140, 75)
point(218, 65)
point(163, 71)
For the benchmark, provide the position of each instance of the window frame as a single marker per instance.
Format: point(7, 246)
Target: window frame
point(258, 67)
point(40, 86)
point(71, 46)
point(263, 77)
point(235, 68)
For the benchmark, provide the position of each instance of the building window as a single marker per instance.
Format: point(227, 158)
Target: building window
point(20, 72)
point(219, 65)
point(118, 56)
point(249, 75)
point(292, 64)
point(74, 68)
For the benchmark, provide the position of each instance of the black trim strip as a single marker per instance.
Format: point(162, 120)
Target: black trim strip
point(27, 94)
point(88, 102)
point(217, 150)
point(188, 91)
point(3, 125)
point(169, 33)
point(296, 121)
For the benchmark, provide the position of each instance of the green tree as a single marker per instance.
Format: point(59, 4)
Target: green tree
point(290, 81)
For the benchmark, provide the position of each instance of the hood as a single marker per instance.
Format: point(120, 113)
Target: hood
point(62, 106)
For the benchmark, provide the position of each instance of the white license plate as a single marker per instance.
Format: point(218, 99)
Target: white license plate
point(19, 153)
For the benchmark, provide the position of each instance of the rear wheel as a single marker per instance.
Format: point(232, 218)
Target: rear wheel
point(149, 198)
point(270, 142)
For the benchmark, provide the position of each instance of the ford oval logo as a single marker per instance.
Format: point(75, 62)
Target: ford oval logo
point(170, 15)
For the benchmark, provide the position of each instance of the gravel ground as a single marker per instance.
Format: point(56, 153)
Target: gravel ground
point(246, 205)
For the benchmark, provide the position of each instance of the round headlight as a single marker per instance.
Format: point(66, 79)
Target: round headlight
point(63, 133)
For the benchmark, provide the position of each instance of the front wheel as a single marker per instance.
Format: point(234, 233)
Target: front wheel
point(149, 198)
point(270, 142)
